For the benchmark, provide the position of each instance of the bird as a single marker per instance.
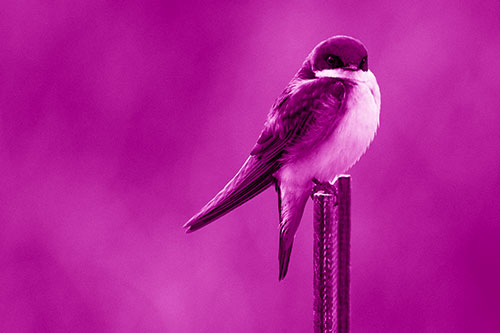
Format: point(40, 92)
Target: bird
point(320, 125)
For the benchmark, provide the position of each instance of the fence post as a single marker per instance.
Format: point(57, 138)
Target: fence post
point(332, 233)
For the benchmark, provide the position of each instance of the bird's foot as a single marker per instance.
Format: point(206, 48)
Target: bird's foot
point(324, 187)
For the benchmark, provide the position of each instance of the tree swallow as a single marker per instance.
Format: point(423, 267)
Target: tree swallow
point(320, 125)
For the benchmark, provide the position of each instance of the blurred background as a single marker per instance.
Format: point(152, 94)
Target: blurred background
point(120, 119)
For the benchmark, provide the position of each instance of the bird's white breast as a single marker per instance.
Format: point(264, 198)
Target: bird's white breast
point(351, 137)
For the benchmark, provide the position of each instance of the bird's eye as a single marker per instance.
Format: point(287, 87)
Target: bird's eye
point(334, 61)
point(363, 64)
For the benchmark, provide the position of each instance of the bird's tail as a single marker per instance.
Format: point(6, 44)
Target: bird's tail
point(291, 203)
point(253, 178)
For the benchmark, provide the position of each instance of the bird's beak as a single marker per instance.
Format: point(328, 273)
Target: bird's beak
point(351, 67)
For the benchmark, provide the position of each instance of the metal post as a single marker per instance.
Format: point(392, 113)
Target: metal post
point(332, 233)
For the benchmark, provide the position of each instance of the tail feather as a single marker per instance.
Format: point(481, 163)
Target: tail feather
point(253, 178)
point(284, 251)
point(292, 202)
point(284, 258)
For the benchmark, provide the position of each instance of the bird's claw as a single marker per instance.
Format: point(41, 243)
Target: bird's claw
point(325, 187)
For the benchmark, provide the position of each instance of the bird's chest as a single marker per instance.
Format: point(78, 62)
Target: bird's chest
point(346, 144)
point(351, 137)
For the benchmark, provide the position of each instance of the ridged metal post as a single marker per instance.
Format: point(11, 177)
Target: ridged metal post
point(332, 233)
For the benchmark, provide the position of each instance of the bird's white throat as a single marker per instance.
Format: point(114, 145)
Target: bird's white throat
point(360, 77)
point(340, 73)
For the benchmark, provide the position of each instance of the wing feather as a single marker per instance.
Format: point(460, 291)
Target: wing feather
point(302, 115)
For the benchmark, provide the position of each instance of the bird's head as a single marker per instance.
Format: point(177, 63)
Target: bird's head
point(338, 52)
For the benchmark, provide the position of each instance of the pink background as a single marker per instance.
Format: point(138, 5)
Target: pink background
point(120, 119)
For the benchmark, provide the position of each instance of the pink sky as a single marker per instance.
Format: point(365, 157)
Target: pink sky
point(120, 119)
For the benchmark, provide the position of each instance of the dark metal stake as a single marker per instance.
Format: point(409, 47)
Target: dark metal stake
point(332, 233)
